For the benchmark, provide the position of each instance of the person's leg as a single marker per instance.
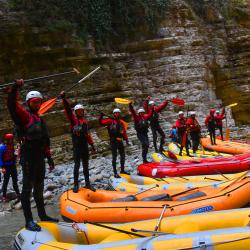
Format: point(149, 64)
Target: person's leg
point(76, 170)
point(145, 147)
point(221, 132)
point(213, 136)
point(85, 165)
point(122, 156)
point(163, 136)
point(15, 180)
point(6, 178)
point(114, 157)
point(154, 134)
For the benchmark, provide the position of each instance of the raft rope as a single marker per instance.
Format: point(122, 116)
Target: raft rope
point(214, 244)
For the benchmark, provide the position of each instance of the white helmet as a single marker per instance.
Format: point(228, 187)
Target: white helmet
point(116, 110)
point(141, 110)
point(217, 111)
point(78, 106)
point(33, 94)
point(151, 102)
point(180, 113)
point(192, 113)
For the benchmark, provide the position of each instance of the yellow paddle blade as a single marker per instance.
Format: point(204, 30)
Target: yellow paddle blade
point(232, 105)
point(47, 105)
point(122, 100)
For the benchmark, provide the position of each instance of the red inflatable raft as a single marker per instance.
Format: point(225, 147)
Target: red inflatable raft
point(203, 166)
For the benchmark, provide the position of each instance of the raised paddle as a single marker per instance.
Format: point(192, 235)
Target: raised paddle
point(50, 103)
point(3, 86)
point(177, 101)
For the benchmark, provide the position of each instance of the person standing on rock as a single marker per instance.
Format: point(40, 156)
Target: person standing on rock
point(210, 122)
point(35, 148)
point(154, 122)
point(182, 133)
point(81, 137)
point(141, 126)
point(117, 133)
point(8, 165)
point(193, 127)
point(218, 119)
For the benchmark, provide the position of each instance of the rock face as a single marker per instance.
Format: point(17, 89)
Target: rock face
point(202, 59)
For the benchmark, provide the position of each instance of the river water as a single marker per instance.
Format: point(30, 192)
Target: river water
point(12, 222)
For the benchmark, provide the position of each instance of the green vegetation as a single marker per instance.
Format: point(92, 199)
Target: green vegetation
point(109, 22)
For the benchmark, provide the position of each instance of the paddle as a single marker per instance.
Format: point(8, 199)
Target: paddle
point(227, 132)
point(113, 228)
point(148, 231)
point(143, 191)
point(3, 86)
point(161, 216)
point(50, 103)
point(177, 101)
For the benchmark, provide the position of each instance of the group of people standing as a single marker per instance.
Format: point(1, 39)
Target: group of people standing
point(35, 143)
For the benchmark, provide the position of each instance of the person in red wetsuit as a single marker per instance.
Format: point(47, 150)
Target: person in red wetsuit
point(210, 122)
point(141, 126)
point(154, 122)
point(194, 128)
point(81, 137)
point(8, 165)
point(117, 133)
point(182, 132)
point(218, 120)
point(34, 149)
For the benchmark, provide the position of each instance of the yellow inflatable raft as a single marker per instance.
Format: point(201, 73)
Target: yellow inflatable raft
point(136, 183)
point(129, 235)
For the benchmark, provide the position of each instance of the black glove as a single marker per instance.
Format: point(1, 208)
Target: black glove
point(62, 95)
point(51, 163)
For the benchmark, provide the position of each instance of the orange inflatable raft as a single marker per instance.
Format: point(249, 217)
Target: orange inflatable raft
point(229, 147)
point(118, 207)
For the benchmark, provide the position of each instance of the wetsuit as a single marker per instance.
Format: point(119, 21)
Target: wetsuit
point(182, 135)
point(193, 128)
point(219, 123)
point(155, 125)
point(117, 133)
point(81, 137)
point(141, 127)
point(34, 149)
point(8, 162)
point(210, 122)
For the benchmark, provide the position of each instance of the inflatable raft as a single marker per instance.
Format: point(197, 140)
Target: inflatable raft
point(83, 235)
point(229, 147)
point(117, 207)
point(225, 165)
point(136, 183)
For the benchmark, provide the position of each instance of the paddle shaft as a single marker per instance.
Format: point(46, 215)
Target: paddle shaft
point(143, 191)
point(160, 219)
point(113, 228)
point(39, 78)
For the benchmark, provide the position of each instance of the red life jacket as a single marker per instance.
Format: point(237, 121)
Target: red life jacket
point(9, 155)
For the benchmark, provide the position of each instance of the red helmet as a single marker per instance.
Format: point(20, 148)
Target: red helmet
point(212, 111)
point(8, 136)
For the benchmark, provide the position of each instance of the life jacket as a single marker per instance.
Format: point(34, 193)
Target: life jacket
point(80, 133)
point(211, 122)
point(154, 120)
point(142, 125)
point(115, 129)
point(9, 153)
point(196, 125)
point(218, 120)
point(36, 130)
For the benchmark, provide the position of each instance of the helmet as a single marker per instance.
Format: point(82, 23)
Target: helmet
point(116, 110)
point(192, 113)
point(141, 110)
point(33, 94)
point(151, 102)
point(212, 111)
point(217, 111)
point(8, 136)
point(78, 106)
point(180, 113)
